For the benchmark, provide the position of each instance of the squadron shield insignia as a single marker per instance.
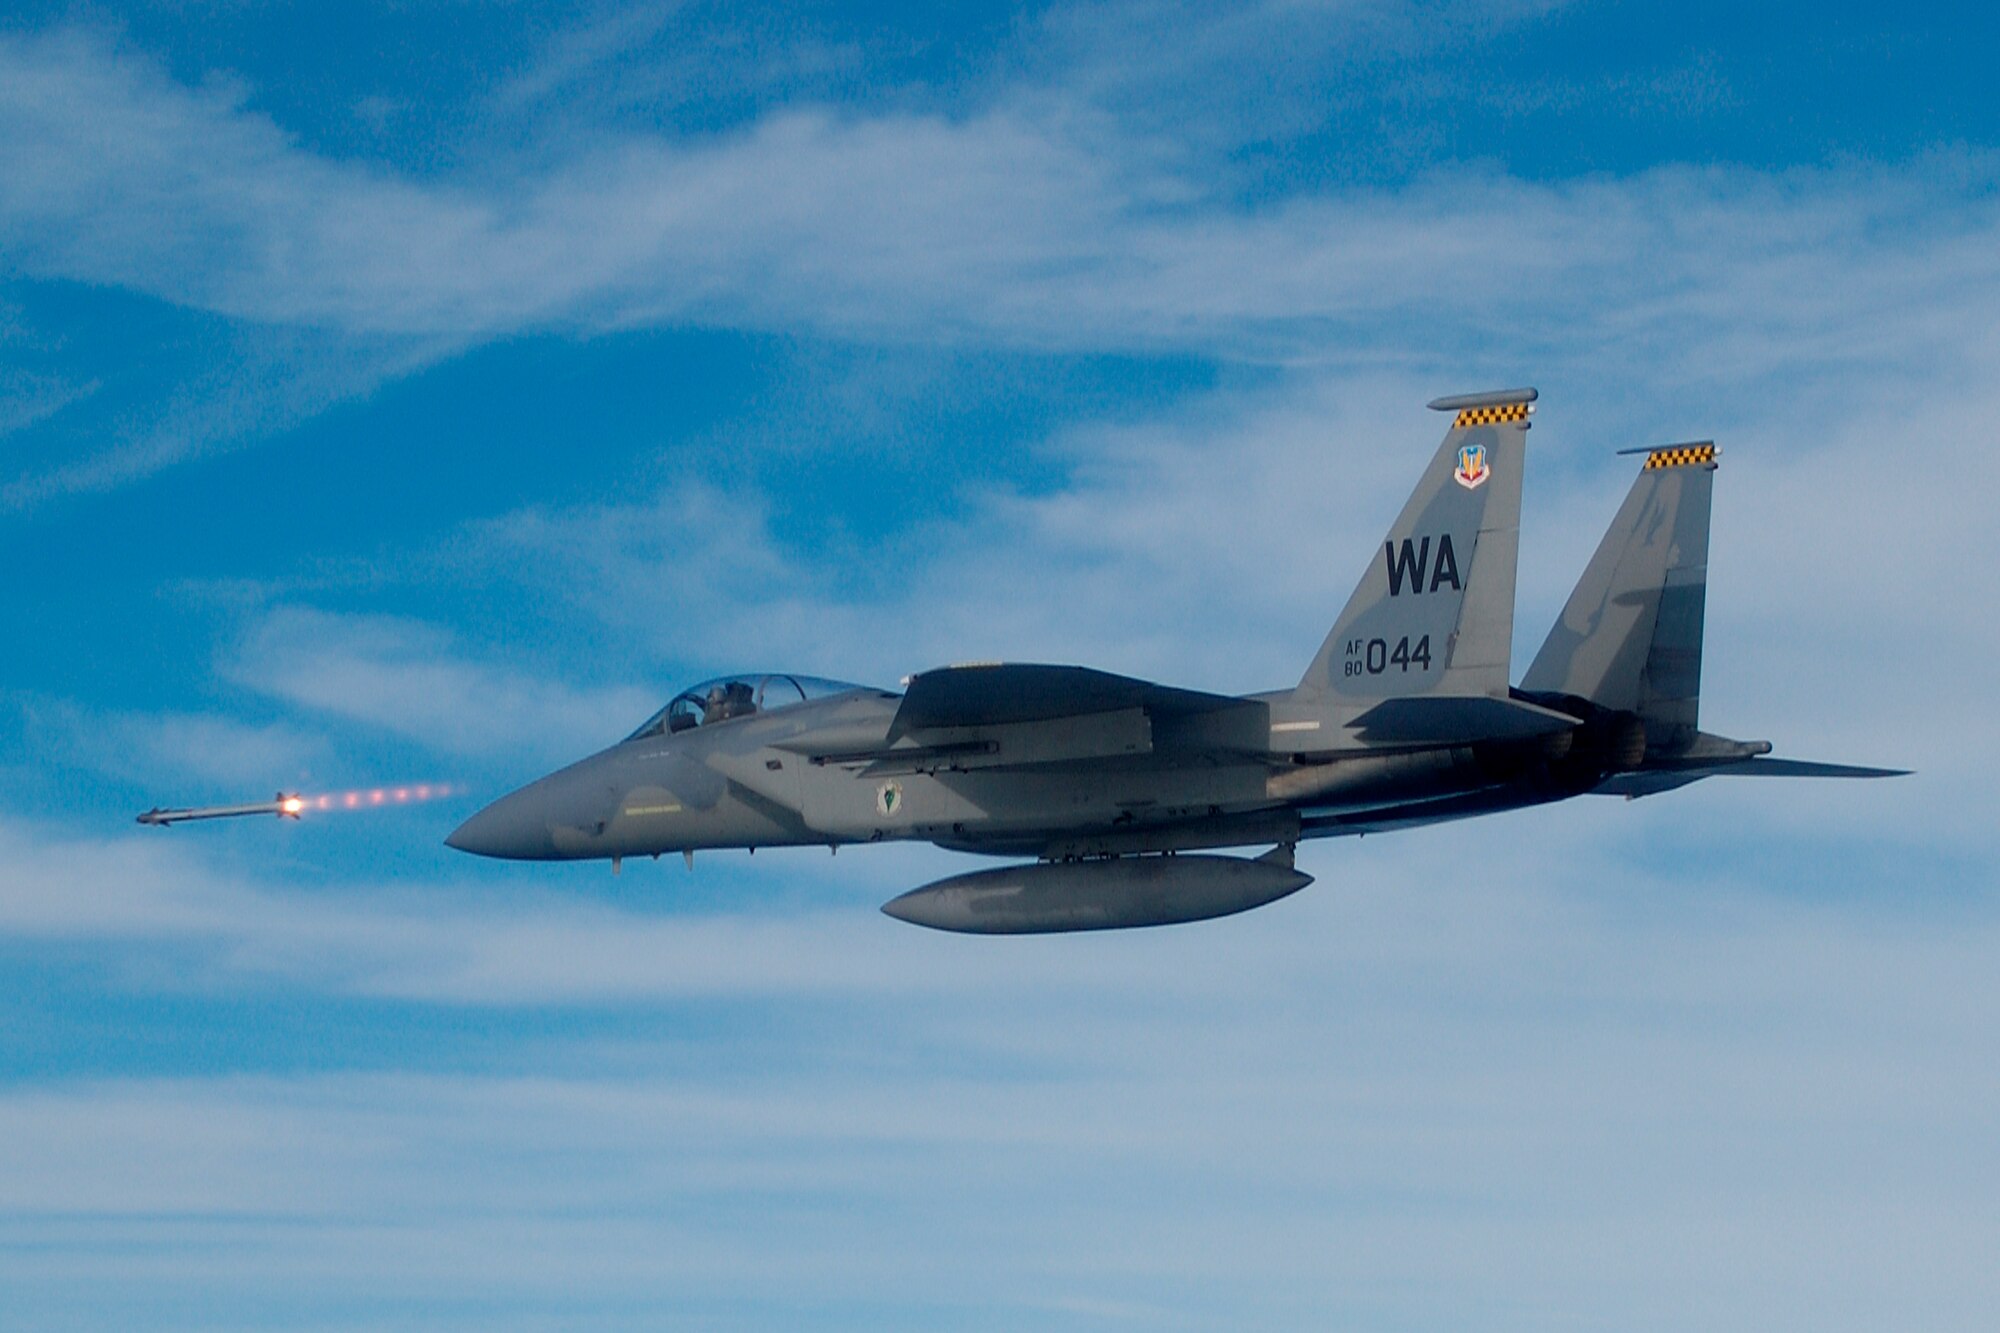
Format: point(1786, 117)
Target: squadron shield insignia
point(1100, 785)
point(888, 799)
point(1472, 469)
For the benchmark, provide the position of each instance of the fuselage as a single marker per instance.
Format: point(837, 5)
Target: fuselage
point(827, 772)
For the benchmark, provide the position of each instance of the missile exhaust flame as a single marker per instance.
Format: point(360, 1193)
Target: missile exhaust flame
point(367, 798)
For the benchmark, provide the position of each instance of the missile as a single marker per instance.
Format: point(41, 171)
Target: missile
point(284, 805)
point(1101, 894)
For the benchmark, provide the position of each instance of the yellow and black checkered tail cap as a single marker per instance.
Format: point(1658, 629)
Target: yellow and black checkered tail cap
point(1491, 416)
point(1681, 455)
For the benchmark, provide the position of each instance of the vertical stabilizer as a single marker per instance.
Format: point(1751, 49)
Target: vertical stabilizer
point(1434, 613)
point(1629, 639)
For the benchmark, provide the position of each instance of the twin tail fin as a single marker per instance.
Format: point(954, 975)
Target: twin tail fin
point(1433, 614)
point(1629, 639)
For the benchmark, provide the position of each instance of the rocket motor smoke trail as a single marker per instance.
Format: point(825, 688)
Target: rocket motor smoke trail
point(368, 798)
point(291, 805)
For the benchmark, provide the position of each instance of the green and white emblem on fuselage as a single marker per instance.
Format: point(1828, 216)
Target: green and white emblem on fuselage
point(888, 798)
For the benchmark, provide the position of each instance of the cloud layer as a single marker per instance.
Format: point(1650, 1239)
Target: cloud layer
point(1011, 222)
point(1022, 219)
point(1408, 1089)
point(1718, 1058)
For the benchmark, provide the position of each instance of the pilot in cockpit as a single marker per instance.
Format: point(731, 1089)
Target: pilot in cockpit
point(730, 699)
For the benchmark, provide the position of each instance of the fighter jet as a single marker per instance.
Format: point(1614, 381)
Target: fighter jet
point(1112, 793)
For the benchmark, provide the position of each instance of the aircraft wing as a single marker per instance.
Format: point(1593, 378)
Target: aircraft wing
point(1011, 692)
point(1027, 715)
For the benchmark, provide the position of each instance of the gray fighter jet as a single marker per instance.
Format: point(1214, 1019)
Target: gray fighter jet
point(1103, 785)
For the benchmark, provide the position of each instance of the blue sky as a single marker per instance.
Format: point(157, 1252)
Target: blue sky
point(421, 393)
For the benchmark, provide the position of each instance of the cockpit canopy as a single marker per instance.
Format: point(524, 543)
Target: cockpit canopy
point(725, 697)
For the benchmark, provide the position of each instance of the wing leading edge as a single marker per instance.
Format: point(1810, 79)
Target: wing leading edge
point(996, 694)
point(1030, 715)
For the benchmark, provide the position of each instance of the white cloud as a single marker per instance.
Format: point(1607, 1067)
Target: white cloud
point(1004, 223)
point(447, 944)
point(225, 753)
point(1023, 221)
point(402, 676)
point(115, 174)
point(1716, 1059)
point(26, 397)
point(1551, 1073)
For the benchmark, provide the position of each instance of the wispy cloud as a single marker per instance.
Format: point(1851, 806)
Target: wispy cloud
point(1014, 221)
point(1596, 1058)
point(271, 380)
point(221, 752)
point(1188, 504)
point(404, 677)
point(1716, 1059)
point(1000, 223)
point(26, 398)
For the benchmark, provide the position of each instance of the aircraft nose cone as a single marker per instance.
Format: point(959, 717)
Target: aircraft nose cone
point(515, 827)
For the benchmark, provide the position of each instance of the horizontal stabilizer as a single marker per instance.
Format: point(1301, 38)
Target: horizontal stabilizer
point(1430, 719)
point(1650, 782)
point(1805, 768)
point(1003, 692)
